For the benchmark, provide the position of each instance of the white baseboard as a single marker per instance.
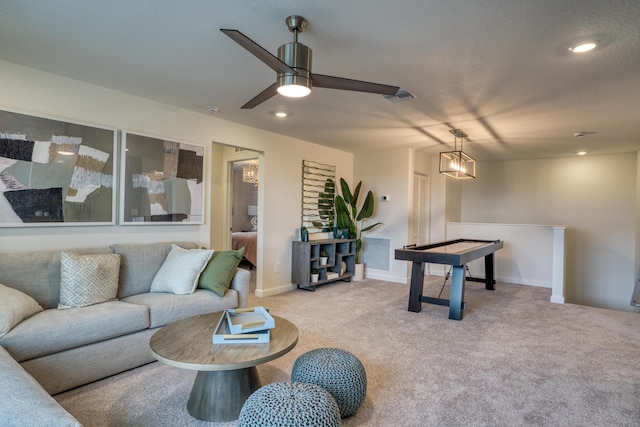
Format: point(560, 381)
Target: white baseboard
point(275, 291)
point(384, 275)
point(524, 281)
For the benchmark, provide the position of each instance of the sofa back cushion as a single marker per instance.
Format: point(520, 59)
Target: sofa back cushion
point(37, 273)
point(139, 264)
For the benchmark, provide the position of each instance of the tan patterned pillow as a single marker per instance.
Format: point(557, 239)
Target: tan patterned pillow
point(88, 279)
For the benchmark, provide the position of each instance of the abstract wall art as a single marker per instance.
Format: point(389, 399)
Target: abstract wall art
point(55, 172)
point(161, 182)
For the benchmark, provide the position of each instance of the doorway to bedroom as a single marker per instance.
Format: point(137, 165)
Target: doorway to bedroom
point(243, 189)
point(236, 204)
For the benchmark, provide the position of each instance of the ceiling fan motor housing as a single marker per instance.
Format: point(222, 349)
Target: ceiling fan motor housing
point(297, 56)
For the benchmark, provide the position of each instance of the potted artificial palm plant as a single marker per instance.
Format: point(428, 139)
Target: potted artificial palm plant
point(350, 218)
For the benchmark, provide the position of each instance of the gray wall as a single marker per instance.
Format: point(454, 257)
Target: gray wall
point(594, 196)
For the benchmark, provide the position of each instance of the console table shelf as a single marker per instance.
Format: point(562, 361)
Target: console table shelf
point(340, 265)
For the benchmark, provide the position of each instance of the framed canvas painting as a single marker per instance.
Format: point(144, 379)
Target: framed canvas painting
point(162, 181)
point(55, 173)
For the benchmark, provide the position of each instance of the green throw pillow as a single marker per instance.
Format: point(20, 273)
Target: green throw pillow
point(218, 274)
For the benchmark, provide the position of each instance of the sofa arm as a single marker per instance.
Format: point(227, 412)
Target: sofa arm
point(23, 402)
point(240, 283)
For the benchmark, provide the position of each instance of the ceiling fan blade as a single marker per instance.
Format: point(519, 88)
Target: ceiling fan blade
point(330, 82)
point(262, 96)
point(258, 51)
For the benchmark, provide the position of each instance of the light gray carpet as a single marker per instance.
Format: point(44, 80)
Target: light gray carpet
point(515, 359)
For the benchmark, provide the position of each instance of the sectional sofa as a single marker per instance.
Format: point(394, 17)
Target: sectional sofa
point(65, 323)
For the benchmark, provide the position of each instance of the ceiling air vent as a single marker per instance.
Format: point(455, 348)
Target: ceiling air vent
point(400, 96)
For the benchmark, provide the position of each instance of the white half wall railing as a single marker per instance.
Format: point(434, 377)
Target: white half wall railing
point(532, 254)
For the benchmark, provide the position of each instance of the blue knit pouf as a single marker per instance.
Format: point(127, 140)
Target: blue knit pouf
point(337, 371)
point(285, 404)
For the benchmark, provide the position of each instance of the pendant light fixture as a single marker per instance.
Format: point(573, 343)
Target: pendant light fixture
point(250, 173)
point(457, 164)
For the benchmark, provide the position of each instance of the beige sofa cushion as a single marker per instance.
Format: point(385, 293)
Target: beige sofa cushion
point(37, 274)
point(139, 264)
point(54, 330)
point(23, 402)
point(169, 308)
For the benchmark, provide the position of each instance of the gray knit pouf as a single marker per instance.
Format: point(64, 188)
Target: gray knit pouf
point(286, 404)
point(337, 371)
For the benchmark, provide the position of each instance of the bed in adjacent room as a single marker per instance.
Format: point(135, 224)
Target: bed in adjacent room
point(248, 240)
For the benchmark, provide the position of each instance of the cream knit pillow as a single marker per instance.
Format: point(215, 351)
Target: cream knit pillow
point(180, 271)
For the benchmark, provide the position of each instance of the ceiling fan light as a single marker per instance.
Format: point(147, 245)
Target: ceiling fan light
point(294, 91)
point(298, 57)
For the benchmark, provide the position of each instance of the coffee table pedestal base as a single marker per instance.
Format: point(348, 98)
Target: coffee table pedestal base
point(219, 395)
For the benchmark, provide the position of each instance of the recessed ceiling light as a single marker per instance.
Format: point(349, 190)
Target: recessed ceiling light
point(212, 108)
point(583, 47)
point(281, 114)
point(581, 153)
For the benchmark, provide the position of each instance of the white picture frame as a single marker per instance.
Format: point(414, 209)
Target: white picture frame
point(55, 172)
point(161, 181)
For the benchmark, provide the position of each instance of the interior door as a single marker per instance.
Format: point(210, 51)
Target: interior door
point(420, 223)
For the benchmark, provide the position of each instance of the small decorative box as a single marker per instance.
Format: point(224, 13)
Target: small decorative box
point(222, 335)
point(246, 320)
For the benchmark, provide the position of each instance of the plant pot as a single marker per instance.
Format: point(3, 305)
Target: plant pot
point(323, 260)
point(358, 273)
point(314, 277)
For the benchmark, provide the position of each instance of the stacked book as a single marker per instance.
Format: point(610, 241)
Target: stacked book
point(244, 326)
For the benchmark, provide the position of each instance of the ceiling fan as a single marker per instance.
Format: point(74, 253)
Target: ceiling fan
point(293, 65)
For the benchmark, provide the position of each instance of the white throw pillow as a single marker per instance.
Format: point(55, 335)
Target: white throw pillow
point(180, 271)
point(88, 279)
point(15, 306)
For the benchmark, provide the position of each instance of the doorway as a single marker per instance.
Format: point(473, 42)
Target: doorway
point(222, 212)
point(243, 189)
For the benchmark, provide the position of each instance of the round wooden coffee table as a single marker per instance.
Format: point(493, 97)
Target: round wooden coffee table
point(227, 373)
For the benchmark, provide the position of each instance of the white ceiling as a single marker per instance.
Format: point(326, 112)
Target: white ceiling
point(498, 69)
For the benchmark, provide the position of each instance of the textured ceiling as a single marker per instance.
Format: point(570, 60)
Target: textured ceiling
point(498, 69)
